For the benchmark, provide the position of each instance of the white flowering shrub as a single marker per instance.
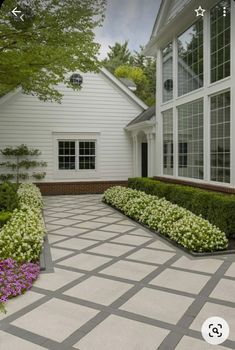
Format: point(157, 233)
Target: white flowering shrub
point(30, 195)
point(179, 224)
point(21, 238)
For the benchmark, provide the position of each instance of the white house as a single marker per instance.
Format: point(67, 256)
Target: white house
point(83, 139)
point(195, 109)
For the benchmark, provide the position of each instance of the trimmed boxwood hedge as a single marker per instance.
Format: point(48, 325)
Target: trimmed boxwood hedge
point(217, 208)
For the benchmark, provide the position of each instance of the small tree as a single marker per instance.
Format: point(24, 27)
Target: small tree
point(19, 158)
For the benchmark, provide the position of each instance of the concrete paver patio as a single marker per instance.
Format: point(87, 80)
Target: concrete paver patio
point(117, 286)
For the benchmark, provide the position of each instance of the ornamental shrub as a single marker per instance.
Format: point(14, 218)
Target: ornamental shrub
point(21, 238)
point(179, 224)
point(4, 217)
point(30, 195)
point(217, 208)
point(15, 279)
point(8, 197)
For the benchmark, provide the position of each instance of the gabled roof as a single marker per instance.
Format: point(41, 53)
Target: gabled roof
point(104, 71)
point(129, 83)
point(123, 87)
point(144, 116)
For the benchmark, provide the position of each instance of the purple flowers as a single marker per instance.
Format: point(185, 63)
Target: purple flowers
point(16, 278)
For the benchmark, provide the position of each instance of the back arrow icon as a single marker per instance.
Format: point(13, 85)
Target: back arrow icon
point(21, 17)
point(14, 11)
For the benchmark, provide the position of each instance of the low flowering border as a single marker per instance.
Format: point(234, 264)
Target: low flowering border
point(15, 279)
point(21, 240)
point(175, 223)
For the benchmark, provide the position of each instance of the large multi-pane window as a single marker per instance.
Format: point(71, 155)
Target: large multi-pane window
point(220, 137)
point(76, 155)
point(190, 140)
point(220, 41)
point(190, 59)
point(167, 73)
point(168, 150)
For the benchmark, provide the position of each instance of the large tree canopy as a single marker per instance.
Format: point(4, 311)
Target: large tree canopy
point(56, 37)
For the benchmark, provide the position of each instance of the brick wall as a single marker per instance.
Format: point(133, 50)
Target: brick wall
point(58, 188)
point(211, 187)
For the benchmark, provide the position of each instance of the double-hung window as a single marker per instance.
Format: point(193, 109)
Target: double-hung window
point(76, 154)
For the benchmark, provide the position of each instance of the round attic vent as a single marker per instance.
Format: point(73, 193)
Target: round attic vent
point(76, 79)
point(168, 85)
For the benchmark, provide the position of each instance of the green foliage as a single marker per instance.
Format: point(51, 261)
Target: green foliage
point(179, 224)
point(17, 153)
point(30, 195)
point(142, 70)
point(217, 208)
point(56, 38)
point(4, 217)
point(21, 238)
point(8, 197)
point(118, 55)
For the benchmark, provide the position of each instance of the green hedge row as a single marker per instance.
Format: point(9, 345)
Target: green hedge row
point(179, 224)
point(217, 208)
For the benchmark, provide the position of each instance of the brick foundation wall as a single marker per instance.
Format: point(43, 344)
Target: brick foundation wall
point(210, 187)
point(58, 188)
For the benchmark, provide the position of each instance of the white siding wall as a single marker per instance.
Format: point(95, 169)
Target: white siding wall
point(99, 107)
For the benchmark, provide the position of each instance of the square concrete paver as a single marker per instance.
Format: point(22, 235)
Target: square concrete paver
point(151, 256)
point(55, 238)
point(202, 265)
point(56, 319)
point(99, 235)
point(180, 280)
point(141, 232)
point(66, 222)
point(106, 220)
point(59, 253)
point(130, 270)
point(160, 245)
point(133, 240)
point(111, 249)
point(76, 243)
point(99, 290)
point(117, 228)
point(210, 310)
point(53, 227)
point(167, 307)
point(188, 343)
point(225, 290)
point(90, 224)
point(57, 279)
point(59, 215)
point(118, 333)
point(231, 271)
point(11, 342)
point(85, 261)
point(15, 304)
point(70, 231)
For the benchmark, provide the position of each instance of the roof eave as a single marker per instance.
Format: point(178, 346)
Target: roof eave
point(146, 123)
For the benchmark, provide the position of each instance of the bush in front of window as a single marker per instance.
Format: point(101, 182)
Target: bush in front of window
point(179, 224)
point(217, 208)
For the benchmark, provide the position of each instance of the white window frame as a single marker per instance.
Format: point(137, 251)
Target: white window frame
point(77, 174)
point(209, 89)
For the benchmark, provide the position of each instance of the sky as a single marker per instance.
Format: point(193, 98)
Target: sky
point(130, 20)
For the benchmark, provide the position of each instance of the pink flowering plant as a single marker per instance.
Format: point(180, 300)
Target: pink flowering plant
point(15, 279)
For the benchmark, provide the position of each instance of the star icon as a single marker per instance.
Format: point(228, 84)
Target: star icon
point(200, 11)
